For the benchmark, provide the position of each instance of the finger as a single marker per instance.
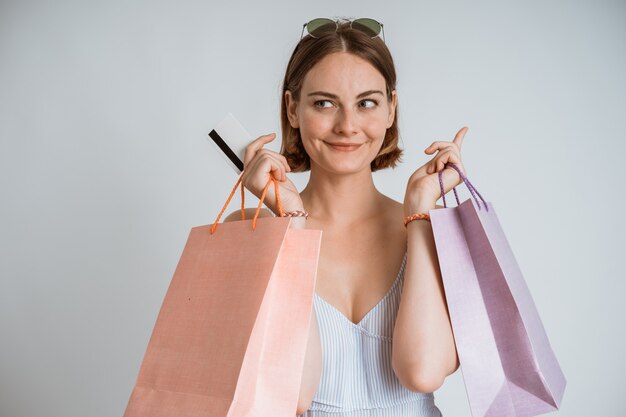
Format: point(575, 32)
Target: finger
point(455, 174)
point(458, 139)
point(434, 165)
point(260, 169)
point(255, 145)
point(273, 166)
point(439, 162)
point(438, 145)
point(275, 155)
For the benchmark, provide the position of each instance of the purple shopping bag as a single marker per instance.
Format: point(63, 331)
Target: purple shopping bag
point(507, 362)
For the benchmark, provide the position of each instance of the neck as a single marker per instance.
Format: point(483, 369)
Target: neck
point(338, 199)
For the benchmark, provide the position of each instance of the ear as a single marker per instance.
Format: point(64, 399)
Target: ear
point(291, 105)
point(392, 108)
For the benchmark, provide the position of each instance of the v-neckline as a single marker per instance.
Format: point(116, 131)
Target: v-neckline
point(358, 324)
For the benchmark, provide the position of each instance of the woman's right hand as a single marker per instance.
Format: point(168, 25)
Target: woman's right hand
point(259, 164)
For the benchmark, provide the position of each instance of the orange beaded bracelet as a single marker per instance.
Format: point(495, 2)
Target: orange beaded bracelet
point(416, 216)
point(297, 213)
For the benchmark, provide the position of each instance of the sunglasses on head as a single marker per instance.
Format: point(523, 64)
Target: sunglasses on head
point(318, 26)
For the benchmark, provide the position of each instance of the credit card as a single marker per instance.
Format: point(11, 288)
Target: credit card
point(231, 139)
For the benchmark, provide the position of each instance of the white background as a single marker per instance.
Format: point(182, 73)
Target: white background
point(105, 166)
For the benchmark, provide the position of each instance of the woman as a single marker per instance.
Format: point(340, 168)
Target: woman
point(378, 279)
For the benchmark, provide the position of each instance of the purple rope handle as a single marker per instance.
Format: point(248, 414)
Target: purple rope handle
point(469, 185)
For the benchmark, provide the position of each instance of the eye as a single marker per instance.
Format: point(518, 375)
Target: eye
point(372, 103)
point(320, 103)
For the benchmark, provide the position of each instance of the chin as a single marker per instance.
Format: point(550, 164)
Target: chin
point(346, 167)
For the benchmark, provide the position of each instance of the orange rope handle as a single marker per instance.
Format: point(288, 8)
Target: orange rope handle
point(243, 198)
point(230, 197)
point(243, 211)
point(258, 209)
point(279, 206)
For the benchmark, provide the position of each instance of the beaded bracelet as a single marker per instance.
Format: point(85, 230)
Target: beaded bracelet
point(416, 216)
point(297, 213)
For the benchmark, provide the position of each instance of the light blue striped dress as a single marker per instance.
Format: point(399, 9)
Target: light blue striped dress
point(357, 379)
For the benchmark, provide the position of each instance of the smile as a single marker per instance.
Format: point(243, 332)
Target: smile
point(344, 147)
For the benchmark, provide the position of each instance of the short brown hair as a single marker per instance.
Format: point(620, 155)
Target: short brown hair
point(309, 52)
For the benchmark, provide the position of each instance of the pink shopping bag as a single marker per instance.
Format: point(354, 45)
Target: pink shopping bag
point(507, 362)
point(231, 334)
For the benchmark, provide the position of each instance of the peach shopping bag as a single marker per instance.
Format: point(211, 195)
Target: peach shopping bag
point(231, 335)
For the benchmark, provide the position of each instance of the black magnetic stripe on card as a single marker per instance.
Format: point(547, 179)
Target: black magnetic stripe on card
point(226, 149)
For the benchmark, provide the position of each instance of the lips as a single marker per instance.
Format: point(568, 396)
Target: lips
point(344, 147)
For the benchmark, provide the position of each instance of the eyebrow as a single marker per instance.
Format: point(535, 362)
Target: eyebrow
point(333, 96)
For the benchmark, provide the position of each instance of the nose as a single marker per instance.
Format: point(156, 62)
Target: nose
point(346, 123)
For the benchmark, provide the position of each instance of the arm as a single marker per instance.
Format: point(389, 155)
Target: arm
point(423, 351)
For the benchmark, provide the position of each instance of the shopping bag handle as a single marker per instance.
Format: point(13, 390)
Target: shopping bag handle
point(243, 194)
point(469, 185)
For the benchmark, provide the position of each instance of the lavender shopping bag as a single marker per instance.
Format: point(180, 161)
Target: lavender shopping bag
point(507, 362)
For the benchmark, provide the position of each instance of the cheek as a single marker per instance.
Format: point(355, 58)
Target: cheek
point(315, 125)
point(376, 129)
point(309, 149)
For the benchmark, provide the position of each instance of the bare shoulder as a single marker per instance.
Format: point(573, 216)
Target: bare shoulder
point(249, 213)
point(392, 205)
point(394, 213)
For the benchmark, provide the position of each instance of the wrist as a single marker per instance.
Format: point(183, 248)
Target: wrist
point(418, 206)
point(296, 213)
point(288, 206)
point(291, 209)
point(298, 216)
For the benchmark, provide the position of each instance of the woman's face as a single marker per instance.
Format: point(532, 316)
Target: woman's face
point(343, 113)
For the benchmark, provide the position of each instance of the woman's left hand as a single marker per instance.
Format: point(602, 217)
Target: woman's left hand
point(423, 189)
